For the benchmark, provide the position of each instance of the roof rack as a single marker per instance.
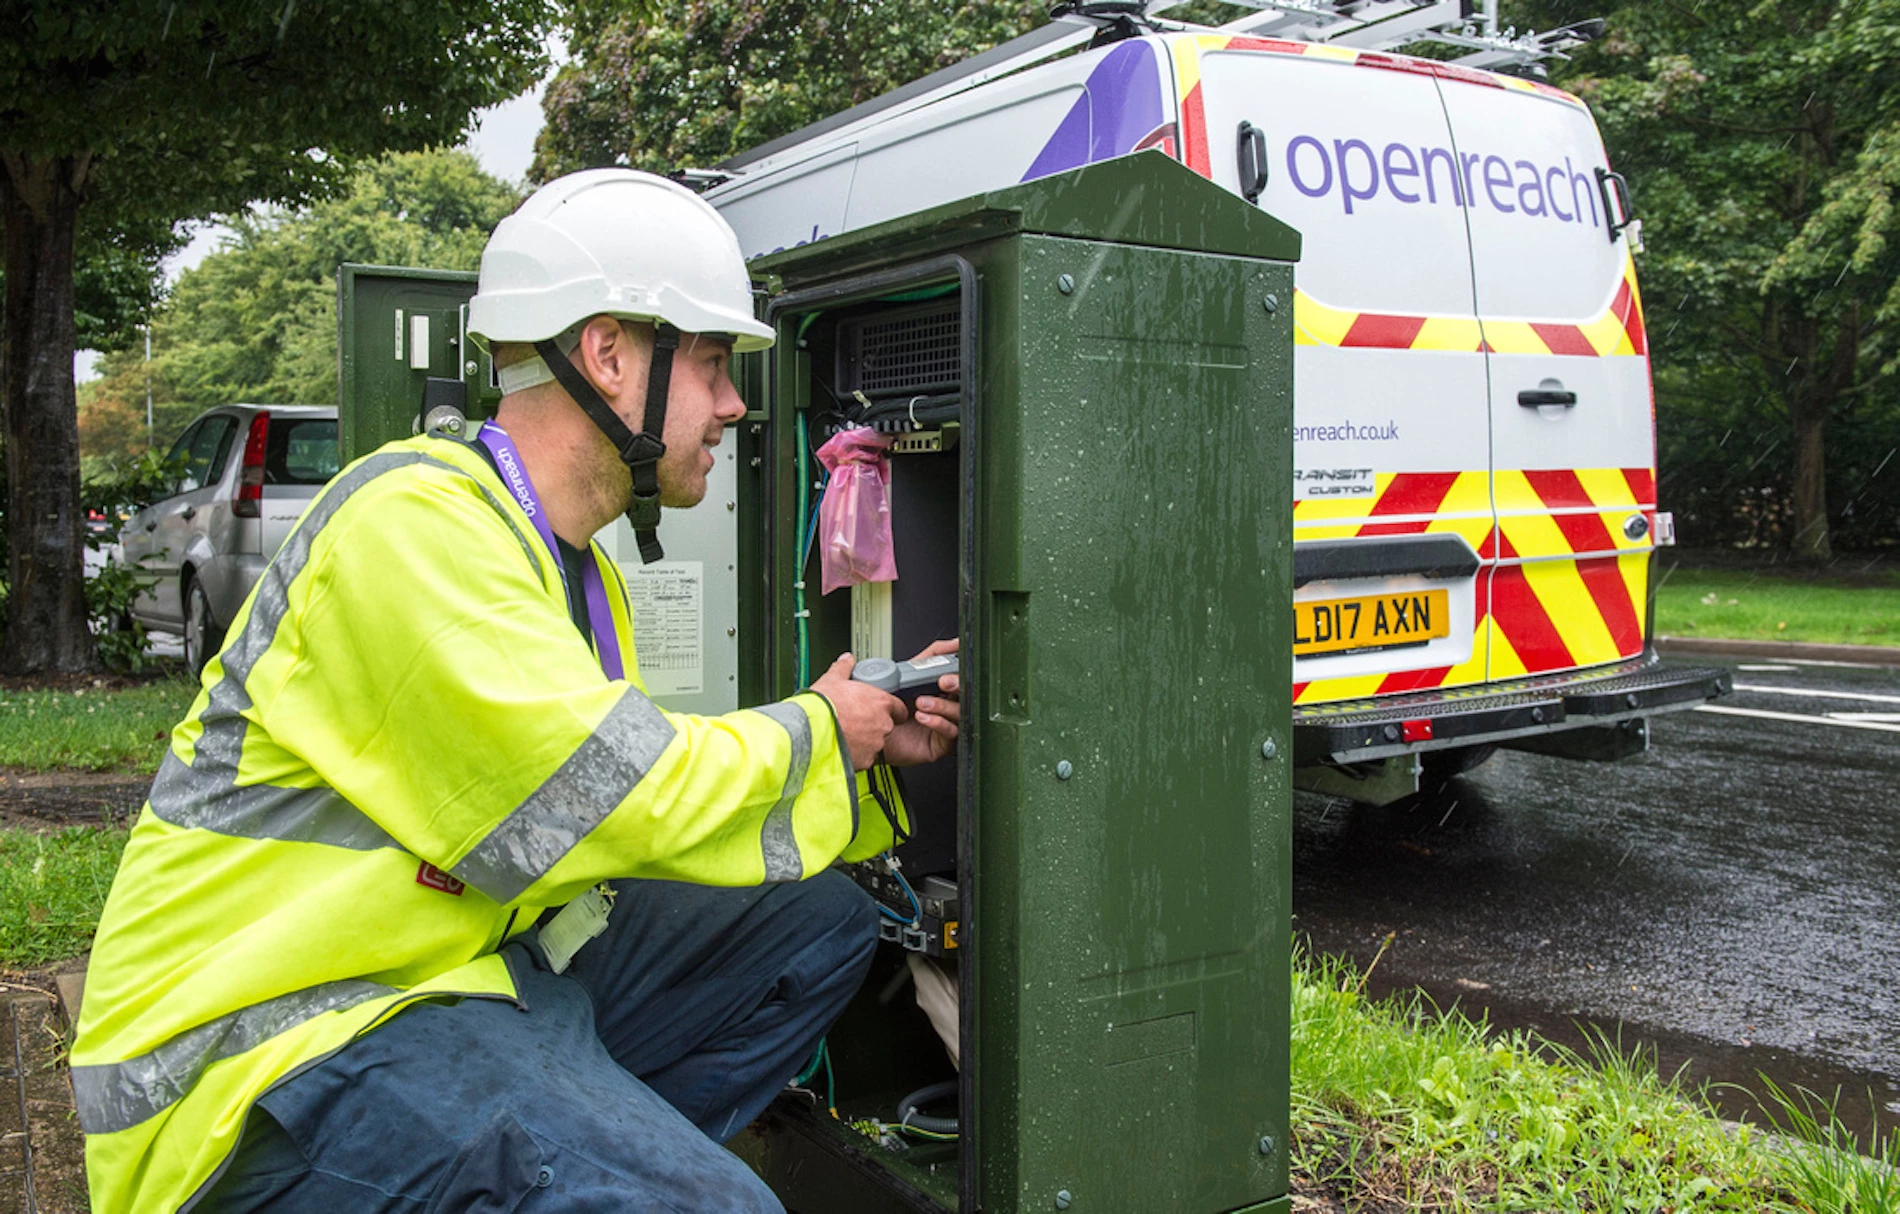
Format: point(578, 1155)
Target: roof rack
point(1383, 25)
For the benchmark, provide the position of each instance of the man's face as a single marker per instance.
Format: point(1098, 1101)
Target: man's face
point(700, 403)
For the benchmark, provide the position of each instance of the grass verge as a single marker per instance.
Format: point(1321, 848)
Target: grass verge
point(52, 890)
point(1399, 1106)
point(92, 728)
point(1746, 605)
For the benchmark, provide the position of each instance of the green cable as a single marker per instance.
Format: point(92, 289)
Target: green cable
point(798, 572)
point(831, 1087)
point(811, 1068)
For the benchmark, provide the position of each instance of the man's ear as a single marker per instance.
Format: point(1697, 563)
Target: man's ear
point(604, 355)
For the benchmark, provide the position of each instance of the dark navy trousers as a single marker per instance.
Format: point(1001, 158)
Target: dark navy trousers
point(613, 1090)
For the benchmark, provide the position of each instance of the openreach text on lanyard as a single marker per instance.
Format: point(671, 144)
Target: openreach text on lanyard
point(599, 618)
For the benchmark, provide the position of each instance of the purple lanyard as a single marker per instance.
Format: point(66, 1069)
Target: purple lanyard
point(599, 618)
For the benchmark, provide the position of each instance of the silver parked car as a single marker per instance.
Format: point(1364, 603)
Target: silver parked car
point(249, 471)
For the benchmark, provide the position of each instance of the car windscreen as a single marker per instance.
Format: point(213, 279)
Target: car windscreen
point(300, 451)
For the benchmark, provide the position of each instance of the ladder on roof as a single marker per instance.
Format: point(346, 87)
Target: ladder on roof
point(1384, 25)
point(1362, 24)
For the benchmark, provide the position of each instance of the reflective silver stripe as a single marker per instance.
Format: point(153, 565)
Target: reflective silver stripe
point(205, 793)
point(778, 841)
point(596, 778)
point(114, 1096)
point(210, 800)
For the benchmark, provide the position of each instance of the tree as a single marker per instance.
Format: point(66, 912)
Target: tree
point(687, 83)
point(154, 111)
point(1764, 138)
point(256, 320)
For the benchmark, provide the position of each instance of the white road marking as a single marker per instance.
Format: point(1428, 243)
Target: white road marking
point(1765, 715)
point(1768, 669)
point(1818, 694)
point(1864, 716)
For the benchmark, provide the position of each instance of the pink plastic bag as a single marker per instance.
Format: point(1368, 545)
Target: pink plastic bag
point(854, 518)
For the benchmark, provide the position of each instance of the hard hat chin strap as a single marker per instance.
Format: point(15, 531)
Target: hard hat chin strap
point(639, 452)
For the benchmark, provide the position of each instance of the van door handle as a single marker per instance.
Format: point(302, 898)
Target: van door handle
point(1250, 159)
point(1535, 398)
point(152, 526)
point(188, 513)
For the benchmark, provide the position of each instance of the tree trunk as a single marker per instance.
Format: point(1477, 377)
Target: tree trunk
point(1810, 540)
point(1814, 396)
point(46, 594)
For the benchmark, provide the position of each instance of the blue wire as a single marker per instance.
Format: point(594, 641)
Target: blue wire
point(811, 533)
point(917, 908)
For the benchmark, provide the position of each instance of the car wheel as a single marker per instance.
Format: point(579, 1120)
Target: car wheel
point(202, 634)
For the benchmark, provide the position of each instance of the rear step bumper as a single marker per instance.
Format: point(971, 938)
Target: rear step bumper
point(1364, 731)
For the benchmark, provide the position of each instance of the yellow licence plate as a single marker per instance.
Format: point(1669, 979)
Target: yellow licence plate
point(1374, 621)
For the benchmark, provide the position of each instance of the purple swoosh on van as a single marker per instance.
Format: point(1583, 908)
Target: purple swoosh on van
point(1119, 107)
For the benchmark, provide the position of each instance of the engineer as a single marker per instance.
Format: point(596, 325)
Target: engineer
point(421, 913)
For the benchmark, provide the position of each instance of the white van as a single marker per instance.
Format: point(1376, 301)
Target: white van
point(1474, 450)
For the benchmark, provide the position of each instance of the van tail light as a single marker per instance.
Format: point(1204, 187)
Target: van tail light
point(250, 486)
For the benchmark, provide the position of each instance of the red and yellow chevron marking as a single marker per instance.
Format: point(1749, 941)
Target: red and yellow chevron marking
point(1616, 331)
point(1402, 503)
point(1562, 585)
point(1188, 49)
point(1568, 564)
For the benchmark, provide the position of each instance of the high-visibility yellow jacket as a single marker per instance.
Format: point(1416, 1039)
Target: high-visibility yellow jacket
point(404, 752)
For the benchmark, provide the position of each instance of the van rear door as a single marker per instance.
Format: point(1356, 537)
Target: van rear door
point(1572, 434)
point(1391, 439)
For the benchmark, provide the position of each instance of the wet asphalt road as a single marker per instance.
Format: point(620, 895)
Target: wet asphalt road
point(1730, 899)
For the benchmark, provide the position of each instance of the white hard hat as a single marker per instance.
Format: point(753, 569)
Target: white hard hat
point(619, 242)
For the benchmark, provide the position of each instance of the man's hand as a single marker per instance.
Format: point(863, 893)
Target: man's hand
point(931, 732)
point(865, 714)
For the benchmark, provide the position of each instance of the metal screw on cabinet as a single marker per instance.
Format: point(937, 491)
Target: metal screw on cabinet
point(469, 367)
point(1063, 1199)
point(1066, 285)
point(1266, 1144)
point(1268, 750)
point(1271, 303)
point(732, 632)
point(1064, 769)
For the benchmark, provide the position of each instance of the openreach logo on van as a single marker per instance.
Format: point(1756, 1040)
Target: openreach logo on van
point(1358, 172)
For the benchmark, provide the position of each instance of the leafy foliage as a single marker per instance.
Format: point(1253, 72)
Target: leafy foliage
point(686, 83)
point(256, 321)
